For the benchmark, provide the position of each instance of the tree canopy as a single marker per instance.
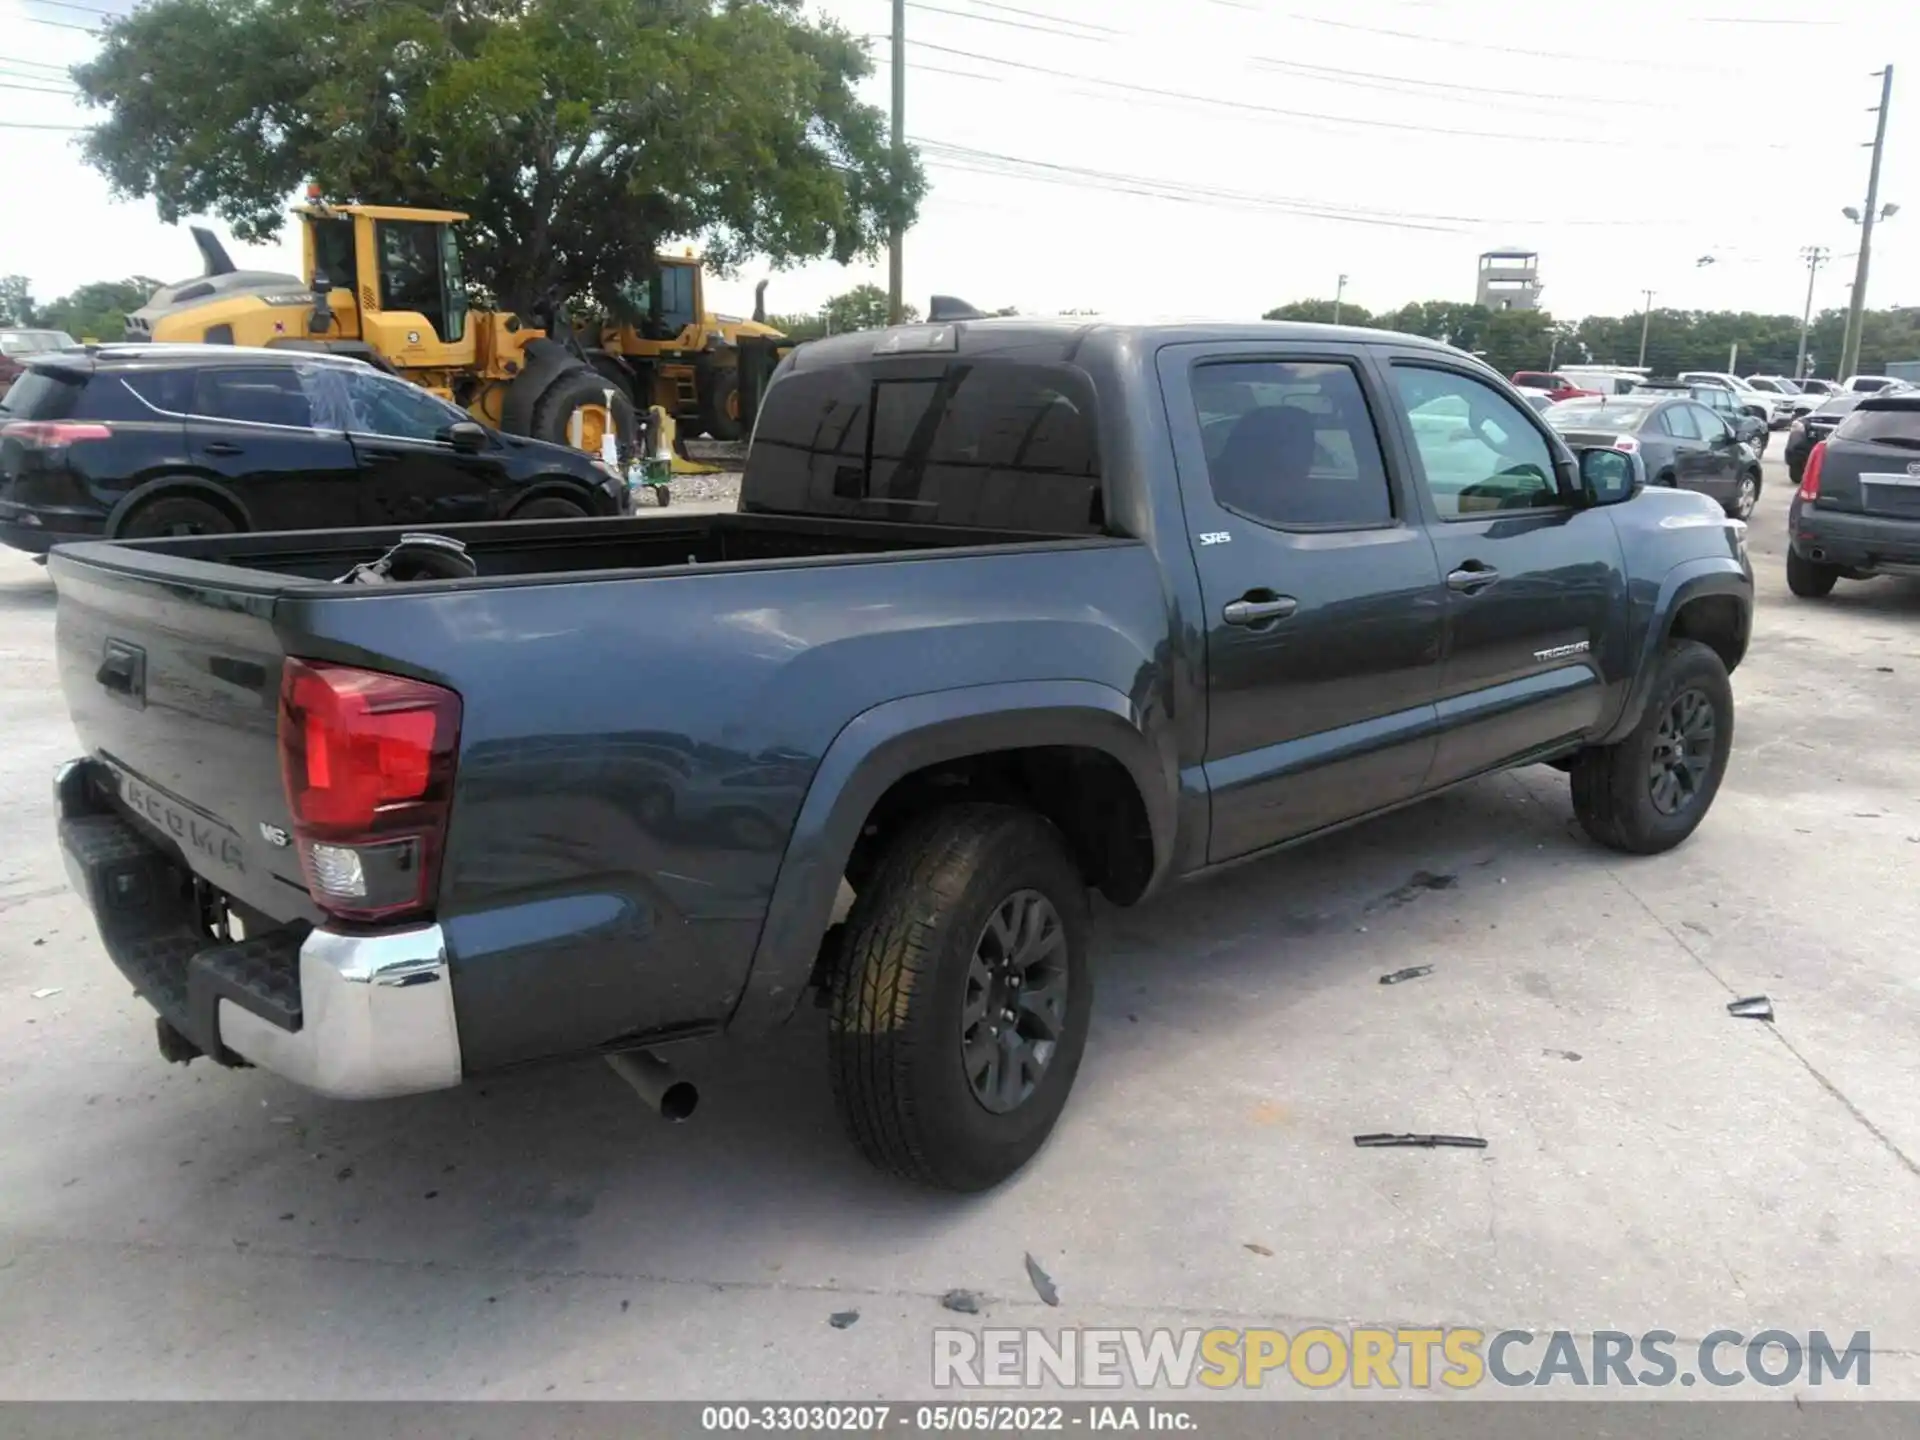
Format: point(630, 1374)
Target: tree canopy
point(862, 308)
point(578, 134)
point(1677, 340)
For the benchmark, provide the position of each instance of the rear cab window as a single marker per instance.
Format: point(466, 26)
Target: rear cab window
point(979, 442)
point(1883, 425)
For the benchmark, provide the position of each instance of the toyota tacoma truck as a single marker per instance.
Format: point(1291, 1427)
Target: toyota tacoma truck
point(1009, 611)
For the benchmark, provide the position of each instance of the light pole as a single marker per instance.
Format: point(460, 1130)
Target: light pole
point(1850, 353)
point(1646, 316)
point(1815, 256)
point(1339, 294)
point(896, 233)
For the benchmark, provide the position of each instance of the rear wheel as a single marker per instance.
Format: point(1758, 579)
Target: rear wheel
point(1809, 579)
point(575, 411)
point(549, 507)
point(177, 515)
point(1647, 793)
point(961, 997)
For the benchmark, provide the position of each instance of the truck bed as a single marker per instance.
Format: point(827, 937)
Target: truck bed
point(551, 550)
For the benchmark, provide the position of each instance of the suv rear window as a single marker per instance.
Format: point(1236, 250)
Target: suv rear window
point(42, 394)
point(1892, 425)
point(985, 443)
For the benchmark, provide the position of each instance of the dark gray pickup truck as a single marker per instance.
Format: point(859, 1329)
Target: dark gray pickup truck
point(1009, 611)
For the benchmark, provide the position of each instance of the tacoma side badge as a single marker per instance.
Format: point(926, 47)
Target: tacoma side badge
point(1215, 537)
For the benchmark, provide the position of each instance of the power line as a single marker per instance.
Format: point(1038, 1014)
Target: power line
point(1557, 138)
point(69, 5)
point(23, 125)
point(1362, 76)
point(1588, 59)
point(62, 25)
point(1045, 15)
point(12, 84)
point(997, 20)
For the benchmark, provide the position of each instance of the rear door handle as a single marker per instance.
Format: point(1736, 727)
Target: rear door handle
point(1255, 611)
point(373, 453)
point(1472, 577)
point(222, 447)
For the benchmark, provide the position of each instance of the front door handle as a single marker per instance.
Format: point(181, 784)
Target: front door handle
point(1259, 607)
point(221, 447)
point(1472, 577)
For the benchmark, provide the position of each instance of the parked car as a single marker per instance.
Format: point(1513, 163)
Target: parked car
point(1681, 442)
point(1606, 379)
point(1809, 430)
point(1540, 400)
point(1799, 400)
point(1811, 386)
point(1773, 409)
point(1752, 429)
point(141, 440)
point(1010, 609)
point(16, 345)
point(1868, 384)
point(1560, 387)
point(1857, 511)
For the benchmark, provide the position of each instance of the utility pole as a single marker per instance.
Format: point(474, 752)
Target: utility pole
point(1339, 294)
point(1646, 315)
point(896, 235)
point(1850, 357)
point(1815, 256)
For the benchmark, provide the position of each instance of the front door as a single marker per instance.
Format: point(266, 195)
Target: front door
point(1323, 604)
point(1535, 584)
point(409, 473)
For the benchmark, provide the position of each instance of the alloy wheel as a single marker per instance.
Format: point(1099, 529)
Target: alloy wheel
point(1015, 1008)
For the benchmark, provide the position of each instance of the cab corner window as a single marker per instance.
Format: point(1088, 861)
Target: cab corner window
point(1291, 443)
point(1479, 453)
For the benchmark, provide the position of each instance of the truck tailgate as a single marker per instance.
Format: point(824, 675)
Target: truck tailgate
point(174, 687)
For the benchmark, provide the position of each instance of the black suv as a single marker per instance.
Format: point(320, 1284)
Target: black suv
point(140, 440)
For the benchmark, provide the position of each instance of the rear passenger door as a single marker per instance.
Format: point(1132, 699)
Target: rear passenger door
point(1681, 424)
point(410, 475)
point(1534, 584)
point(1323, 604)
point(253, 426)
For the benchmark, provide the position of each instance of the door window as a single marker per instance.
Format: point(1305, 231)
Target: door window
point(381, 406)
point(1292, 443)
point(1678, 421)
point(410, 270)
point(1480, 452)
point(253, 395)
point(1713, 429)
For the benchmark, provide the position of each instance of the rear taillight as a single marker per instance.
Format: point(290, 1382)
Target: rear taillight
point(367, 760)
point(1810, 477)
point(54, 434)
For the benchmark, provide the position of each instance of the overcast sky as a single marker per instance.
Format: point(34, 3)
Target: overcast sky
point(1218, 157)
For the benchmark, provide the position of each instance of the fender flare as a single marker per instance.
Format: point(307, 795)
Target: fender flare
point(1684, 583)
point(567, 487)
point(894, 739)
point(547, 361)
point(175, 483)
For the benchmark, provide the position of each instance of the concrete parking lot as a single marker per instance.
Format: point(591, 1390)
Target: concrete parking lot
point(1652, 1161)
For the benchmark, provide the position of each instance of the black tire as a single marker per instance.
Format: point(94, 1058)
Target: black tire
point(582, 386)
point(548, 507)
point(662, 496)
point(720, 406)
point(1621, 792)
point(901, 988)
point(1742, 505)
point(1809, 579)
point(177, 515)
point(1665, 477)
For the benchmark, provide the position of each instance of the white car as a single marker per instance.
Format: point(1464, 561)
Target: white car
point(1802, 400)
point(1775, 409)
point(1867, 384)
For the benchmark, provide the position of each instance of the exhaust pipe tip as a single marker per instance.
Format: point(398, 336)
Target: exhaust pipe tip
point(667, 1093)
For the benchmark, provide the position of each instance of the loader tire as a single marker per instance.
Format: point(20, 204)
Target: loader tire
point(583, 391)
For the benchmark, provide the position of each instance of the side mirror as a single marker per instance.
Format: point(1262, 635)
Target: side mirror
point(469, 437)
point(1609, 476)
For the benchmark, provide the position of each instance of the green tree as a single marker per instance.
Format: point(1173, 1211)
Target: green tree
point(1320, 312)
point(862, 308)
point(16, 301)
point(99, 311)
point(578, 134)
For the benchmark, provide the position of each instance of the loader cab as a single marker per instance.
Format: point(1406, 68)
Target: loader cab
point(674, 301)
point(395, 281)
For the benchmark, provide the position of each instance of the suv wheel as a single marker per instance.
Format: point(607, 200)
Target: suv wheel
point(176, 515)
point(1648, 793)
point(1809, 579)
point(961, 998)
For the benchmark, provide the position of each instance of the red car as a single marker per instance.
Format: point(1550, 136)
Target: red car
point(1558, 386)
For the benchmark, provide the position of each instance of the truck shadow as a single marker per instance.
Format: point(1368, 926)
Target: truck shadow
point(26, 594)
